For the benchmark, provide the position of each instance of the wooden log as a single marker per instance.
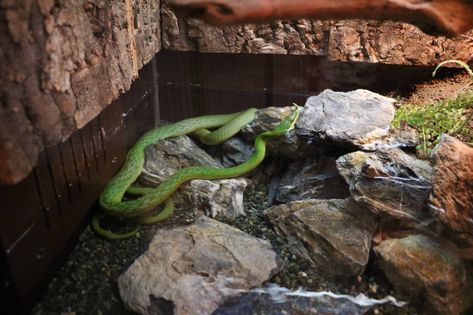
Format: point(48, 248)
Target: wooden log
point(436, 17)
point(61, 63)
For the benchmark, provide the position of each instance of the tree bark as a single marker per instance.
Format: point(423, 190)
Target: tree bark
point(62, 62)
point(386, 42)
point(438, 17)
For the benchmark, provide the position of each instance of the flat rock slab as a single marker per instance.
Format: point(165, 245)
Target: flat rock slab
point(423, 269)
point(193, 269)
point(354, 119)
point(452, 185)
point(334, 234)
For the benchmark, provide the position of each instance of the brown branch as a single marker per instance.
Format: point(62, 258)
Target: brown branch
point(439, 17)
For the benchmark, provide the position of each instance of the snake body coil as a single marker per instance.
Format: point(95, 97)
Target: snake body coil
point(111, 199)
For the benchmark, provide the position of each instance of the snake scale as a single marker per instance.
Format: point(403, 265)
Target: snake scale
point(139, 209)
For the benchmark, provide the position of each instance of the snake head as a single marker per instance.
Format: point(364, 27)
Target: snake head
point(288, 122)
point(294, 116)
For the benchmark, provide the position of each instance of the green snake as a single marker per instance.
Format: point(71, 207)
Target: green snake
point(140, 208)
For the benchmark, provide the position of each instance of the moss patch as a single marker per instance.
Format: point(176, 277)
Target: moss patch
point(432, 120)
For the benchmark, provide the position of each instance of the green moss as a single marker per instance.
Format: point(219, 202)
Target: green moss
point(432, 120)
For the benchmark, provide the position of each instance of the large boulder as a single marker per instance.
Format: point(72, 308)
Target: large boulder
point(452, 185)
point(351, 119)
point(344, 121)
point(427, 272)
point(193, 269)
point(334, 234)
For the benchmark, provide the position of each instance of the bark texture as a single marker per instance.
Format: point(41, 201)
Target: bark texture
point(62, 62)
point(342, 40)
point(446, 17)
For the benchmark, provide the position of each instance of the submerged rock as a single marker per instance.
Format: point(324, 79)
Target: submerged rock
point(452, 185)
point(335, 234)
point(391, 183)
point(424, 270)
point(353, 119)
point(167, 156)
point(192, 269)
point(275, 300)
point(311, 178)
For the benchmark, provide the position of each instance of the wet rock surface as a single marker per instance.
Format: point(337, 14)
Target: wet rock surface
point(392, 183)
point(428, 273)
point(452, 185)
point(334, 235)
point(196, 267)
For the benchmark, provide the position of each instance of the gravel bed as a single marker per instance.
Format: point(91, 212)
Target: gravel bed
point(87, 282)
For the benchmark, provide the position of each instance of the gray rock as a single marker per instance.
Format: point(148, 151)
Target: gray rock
point(404, 137)
point(352, 119)
point(348, 120)
point(219, 198)
point(311, 178)
point(427, 272)
point(391, 183)
point(193, 269)
point(334, 235)
point(275, 300)
point(289, 145)
point(165, 157)
point(236, 151)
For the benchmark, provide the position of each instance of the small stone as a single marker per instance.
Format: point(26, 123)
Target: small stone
point(373, 287)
